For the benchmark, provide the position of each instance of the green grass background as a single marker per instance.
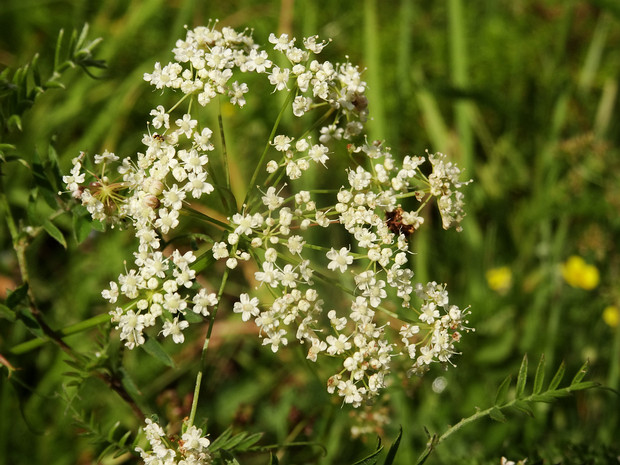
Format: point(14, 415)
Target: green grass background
point(522, 93)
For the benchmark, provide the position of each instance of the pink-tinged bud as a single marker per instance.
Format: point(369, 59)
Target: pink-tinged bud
point(151, 201)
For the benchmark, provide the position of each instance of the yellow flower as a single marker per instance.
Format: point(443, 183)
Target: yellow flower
point(499, 279)
point(611, 316)
point(578, 273)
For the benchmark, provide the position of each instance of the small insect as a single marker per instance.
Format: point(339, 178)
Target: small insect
point(158, 137)
point(394, 222)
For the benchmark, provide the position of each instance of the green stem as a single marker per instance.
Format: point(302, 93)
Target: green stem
point(261, 161)
point(223, 139)
point(205, 346)
point(191, 211)
point(64, 332)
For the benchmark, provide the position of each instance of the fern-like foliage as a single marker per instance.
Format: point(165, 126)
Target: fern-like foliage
point(20, 87)
point(521, 399)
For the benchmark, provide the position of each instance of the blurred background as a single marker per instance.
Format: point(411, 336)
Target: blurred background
point(523, 94)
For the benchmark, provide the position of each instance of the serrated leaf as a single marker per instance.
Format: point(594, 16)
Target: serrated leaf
point(391, 455)
point(502, 391)
point(53, 231)
point(497, 415)
point(523, 407)
point(155, 349)
point(557, 378)
point(16, 296)
point(539, 378)
point(522, 378)
point(580, 374)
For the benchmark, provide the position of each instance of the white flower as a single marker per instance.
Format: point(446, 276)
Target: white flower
point(160, 117)
point(279, 77)
point(247, 307)
point(219, 250)
point(339, 259)
point(175, 328)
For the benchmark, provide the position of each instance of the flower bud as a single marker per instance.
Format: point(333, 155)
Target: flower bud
point(151, 201)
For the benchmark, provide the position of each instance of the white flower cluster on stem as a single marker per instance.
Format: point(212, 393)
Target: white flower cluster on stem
point(376, 208)
point(192, 447)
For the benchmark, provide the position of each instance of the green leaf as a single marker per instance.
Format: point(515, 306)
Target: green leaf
point(234, 441)
point(110, 435)
point(497, 415)
point(16, 296)
point(522, 378)
point(523, 407)
point(582, 386)
point(7, 313)
point(25, 316)
point(372, 458)
point(98, 226)
point(124, 438)
point(14, 122)
point(129, 384)
point(105, 452)
point(82, 226)
point(57, 58)
point(229, 459)
point(273, 460)
point(155, 349)
point(249, 441)
point(557, 378)
point(389, 459)
point(220, 441)
point(502, 391)
point(546, 397)
point(53, 231)
point(580, 374)
point(540, 375)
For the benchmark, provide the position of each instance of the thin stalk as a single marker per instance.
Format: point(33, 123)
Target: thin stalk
point(223, 140)
point(372, 44)
point(261, 161)
point(64, 332)
point(205, 346)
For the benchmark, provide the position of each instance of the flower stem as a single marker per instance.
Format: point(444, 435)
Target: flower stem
point(205, 346)
point(261, 161)
point(223, 139)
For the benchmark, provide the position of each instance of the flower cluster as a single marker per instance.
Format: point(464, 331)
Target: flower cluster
point(374, 211)
point(192, 447)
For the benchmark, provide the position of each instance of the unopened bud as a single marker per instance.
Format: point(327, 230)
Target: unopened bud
point(151, 201)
